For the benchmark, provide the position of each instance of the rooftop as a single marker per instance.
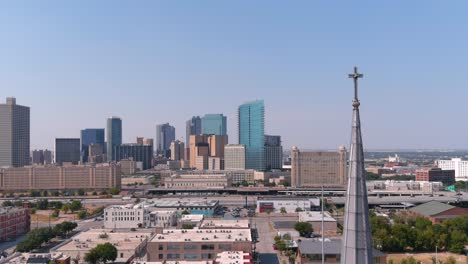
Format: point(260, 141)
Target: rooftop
point(431, 208)
point(192, 218)
point(224, 223)
point(331, 247)
point(200, 235)
point(180, 203)
point(315, 217)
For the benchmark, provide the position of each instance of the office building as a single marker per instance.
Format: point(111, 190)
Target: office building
point(251, 122)
point(197, 244)
point(193, 127)
point(114, 135)
point(165, 134)
point(73, 177)
point(67, 150)
point(14, 134)
point(145, 141)
point(460, 166)
point(289, 204)
point(41, 157)
point(217, 144)
point(204, 146)
point(214, 124)
point(273, 152)
point(447, 177)
point(234, 157)
point(177, 150)
point(215, 163)
point(13, 223)
point(90, 136)
point(317, 168)
point(197, 181)
point(139, 153)
point(96, 153)
point(197, 141)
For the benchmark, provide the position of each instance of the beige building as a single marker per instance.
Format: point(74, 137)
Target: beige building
point(128, 166)
point(215, 163)
point(102, 176)
point(201, 162)
point(196, 140)
point(197, 244)
point(206, 146)
point(315, 219)
point(317, 168)
point(194, 181)
point(234, 157)
point(217, 143)
point(177, 150)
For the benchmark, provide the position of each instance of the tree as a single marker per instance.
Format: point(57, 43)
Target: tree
point(81, 192)
point(75, 205)
point(64, 228)
point(101, 253)
point(45, 193)
point(65, 208)
point(114, 191)
point(283, 210)
point(82, 214)
point(304, 228)
point(457, 242)
point(244, 183)
point(56, 213)
point(7, 203)
point(187, 226)
point(42, 204)
point(185, 212)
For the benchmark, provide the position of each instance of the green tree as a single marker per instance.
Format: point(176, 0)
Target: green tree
point(75, 205)
point(81, 192)
point(101, 253)
point(457, 241)
point(7, 203)
point(114, 191)
point(304, 228)
point(283, 210)
point(42, 204)
point(65, 208)
point(244, 183)
point(56, 213)
point(187, 226)
point(82, 214)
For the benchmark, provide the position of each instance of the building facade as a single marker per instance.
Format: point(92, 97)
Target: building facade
point(77, 177)
point(251, 122)
point(13, 223)
point(273, 152)
point(200, 181)
point(14, 134)
point(90, 136)
point(67, 150)
point(177, 150)
point(317, 168)
point(165, 134)
point(193, 127)
point(234, 157)
point(139, 153)
point(460, 166)
point(114, 135)
point(447, 177)
point(41, 157)
point(214, 124)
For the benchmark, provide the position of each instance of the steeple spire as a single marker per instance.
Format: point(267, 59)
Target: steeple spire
point(357, 240)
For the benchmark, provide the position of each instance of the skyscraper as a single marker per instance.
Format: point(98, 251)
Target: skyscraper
point(165, 134)
point(193, 127)
point(14, 134)
point(90, 136)
point(234, 157)
point(67, 150)
point(139, 153)
point(177, 150)
point(251, 122)
point(114, 135)
point(273, 152)
point(357, 240)
point(214, 124)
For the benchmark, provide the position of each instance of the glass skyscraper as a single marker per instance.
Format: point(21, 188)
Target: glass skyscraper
point(193, 127)
point(165, 134)
point(114, 135)
point(90, 136)
point(214, 124)
point(251, 122)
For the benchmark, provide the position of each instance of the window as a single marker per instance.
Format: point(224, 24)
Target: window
point(190, 256)
point(161, 247)
point(173, 246)
point(121, 255)
point(207, 256)
point(190, 246)
point(207, 247)
point(173, 256)
point(161, 256)
point(225, 246)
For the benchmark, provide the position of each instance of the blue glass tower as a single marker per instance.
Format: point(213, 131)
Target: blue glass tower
point(114, 135)
point(251, 118)
point(214, 124)
point(90, 136)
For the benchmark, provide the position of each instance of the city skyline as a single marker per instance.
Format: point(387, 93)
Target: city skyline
point(295, 63)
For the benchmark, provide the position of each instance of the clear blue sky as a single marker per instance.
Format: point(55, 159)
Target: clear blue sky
point(77, 62)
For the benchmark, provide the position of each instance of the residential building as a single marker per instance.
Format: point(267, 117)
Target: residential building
point(13, 223)
point(67, 150)
point(315, 218)
point(74, 177)
point(165, 134)
point(14, 134)
point(96, 153)
point(41, 157)
point(273, 152)
point(139, 153)
point(197, 244)
point(460, 166)
point(214, 124)
point(290, 204)
point(317, 168)
point(437, 212)
point(194, 181)
point(447, 177)
point(251, 127)
point(90, 136)
point(129, 245)
point(234, 157)
point(114, 136)
point(177, 150)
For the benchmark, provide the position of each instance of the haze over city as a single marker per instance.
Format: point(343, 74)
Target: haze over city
point(75, 64)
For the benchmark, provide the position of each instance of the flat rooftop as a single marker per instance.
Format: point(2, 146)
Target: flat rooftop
point(239, 257)
point(192, 218)
point(180, 203)
point(225, 223)
point(203, 235)
point(316, 217)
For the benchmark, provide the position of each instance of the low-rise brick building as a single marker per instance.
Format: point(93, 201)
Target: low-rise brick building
point(437, 212)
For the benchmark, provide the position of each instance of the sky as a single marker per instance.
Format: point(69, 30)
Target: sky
point(75, 63)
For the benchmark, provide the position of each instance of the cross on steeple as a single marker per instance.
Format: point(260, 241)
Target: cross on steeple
point(355, 76)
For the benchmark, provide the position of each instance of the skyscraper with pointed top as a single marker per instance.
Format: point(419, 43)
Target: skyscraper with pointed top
point(357, 240)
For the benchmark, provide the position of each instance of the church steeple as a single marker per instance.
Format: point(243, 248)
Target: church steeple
point(357, 240)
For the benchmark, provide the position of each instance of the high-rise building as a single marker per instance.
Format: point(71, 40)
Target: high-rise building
point(234, 157)
point(458, 165)
point(41, 157)
point(67, 150)
point(96, 153)
point(14, 134)
point(193, 127)
point(217, 144)
point(114, 135)
point(251, 122)
point(139, 153)
point(195, 140)
point(90, 136)
point(165, 134)
point(317, 168)
point(177, 150)
point(273, 152)
point(214, 124)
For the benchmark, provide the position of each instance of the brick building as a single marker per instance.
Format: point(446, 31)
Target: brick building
point(447, 177)
point(437, 212)
point(13, 222)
